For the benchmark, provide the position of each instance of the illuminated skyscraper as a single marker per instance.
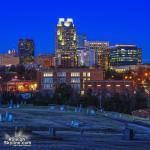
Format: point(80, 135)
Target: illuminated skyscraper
point(66, 55)
point(121, 55)
point(101, 53)
point(26, 51)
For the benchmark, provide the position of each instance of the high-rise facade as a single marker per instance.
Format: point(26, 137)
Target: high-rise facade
point(122, 55)
point(26, 51)
point(86, 57)
point(45, 61)
point(81, 39)
point(66, 55)
point(101, 53)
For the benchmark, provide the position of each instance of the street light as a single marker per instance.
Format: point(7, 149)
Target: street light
point(148, 92)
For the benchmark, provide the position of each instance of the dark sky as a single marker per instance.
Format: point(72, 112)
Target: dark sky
point(117, 21)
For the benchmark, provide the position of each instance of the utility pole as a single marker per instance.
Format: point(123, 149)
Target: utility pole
point(148, 100)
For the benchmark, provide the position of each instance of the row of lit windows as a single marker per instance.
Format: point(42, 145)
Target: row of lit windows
point(63, 74)
point(75, 80)
point(48, 86)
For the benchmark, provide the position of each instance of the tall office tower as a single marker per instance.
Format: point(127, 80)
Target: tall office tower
point(86, 57)
point(123, 55)
point(81, 39)
point(26, 51)
point(101, 53)
point(66, 55)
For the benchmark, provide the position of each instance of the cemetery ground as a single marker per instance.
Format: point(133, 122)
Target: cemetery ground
point(73, 129)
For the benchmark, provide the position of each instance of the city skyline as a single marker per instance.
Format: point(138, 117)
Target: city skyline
point(99, 24)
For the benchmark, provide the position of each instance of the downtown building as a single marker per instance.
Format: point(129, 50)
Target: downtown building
point(9, 59)
point(45, 60)
point(66, 43)
point(125, 55)
point(101, 50)
point(81, 80)
point(85, 56)
point(26, 50)
point(51, 78)
point(81, 39)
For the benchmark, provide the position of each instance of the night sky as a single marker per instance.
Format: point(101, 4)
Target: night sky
point(117, 21)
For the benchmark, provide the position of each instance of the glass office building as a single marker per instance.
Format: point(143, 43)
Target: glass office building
point(122, 55)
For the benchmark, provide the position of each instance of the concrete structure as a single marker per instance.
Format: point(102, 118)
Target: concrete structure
point(101, 53)
point(66, 43)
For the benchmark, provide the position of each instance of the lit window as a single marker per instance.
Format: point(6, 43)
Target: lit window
point(117, 85)
point(127, 85)
point(82, 92)
point(75, 74)
point(89, 85)
point(61, 74)
point(108, 85)
point(88, 74)
point(84, 74)
point(49, 74)
point(98, 85)
point(75, 80)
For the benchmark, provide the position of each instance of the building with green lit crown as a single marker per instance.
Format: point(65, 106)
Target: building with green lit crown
point(66, 54)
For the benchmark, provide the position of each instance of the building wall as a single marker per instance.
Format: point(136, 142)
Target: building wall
point(8, 60)
point(86, 57)
point(101, 53)
point(45, 61)
point(51, 78)
point(110, 86)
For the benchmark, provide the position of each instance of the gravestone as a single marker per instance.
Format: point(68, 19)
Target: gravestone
point(92, 112)
point(128, 134)
point(75, 123)
point(52, 132)
point(87, 111)
point(1, 119)
point(6, 116)
point(18, 106)
point(10, 104)
point(82, 131)
point(10, 118)
point(80, 108)
point(62, 108)
point(52, 108)
point(76, 109)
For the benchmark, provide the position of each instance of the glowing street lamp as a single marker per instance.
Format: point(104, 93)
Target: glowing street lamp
point(146, 74)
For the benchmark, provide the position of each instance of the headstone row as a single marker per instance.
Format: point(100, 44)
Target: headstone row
point(6, 117)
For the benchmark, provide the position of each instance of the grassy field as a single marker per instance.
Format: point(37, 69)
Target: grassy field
point(102, 132)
